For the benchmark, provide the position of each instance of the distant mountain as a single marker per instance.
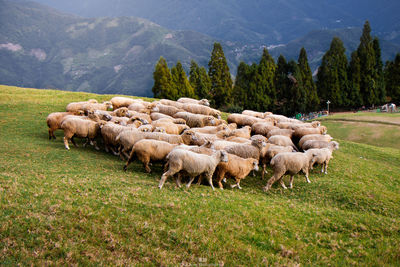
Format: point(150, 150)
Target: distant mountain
point(41, 47)
point(252, 21)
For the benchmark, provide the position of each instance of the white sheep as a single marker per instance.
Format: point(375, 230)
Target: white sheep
point(281, 140)
point(309, 144)
point(203, 102)
point(322, 156)
point(193, 164)
point(289, 163)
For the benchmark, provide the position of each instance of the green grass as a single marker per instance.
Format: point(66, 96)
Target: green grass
point(61, 207)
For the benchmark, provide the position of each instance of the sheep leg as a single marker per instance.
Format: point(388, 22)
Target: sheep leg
point(264, 171)
point(130, 159)
point(164, 177)
point(282, 183)
point(308, 180)
point(291, 181)
point(200, 179)
point(238, 183)
point(271, 181)
point(178, 180)
point(94, 143)
point(210, 181)
point(66, 142)
point(146, 166)
point(51, 134)
point(220, 177)
point(73, 142)
point(191, 181)
point(322, 170)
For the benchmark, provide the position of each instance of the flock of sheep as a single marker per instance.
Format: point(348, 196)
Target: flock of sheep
point(193, 140)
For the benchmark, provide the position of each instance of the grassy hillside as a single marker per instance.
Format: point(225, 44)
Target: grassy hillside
point(79, 207)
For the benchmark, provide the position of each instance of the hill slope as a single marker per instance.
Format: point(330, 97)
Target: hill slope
point(40, 47)
point(249, 22)
point(78, 207)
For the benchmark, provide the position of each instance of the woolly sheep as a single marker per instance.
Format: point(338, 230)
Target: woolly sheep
point(120, 101)
point(156, 116)
point(55, 119)
point(210, 129)
point(195, 120)
point(289, 163)
point(243, 120)
point(203, 102)
point(172, 103)
point(146, 128)
point(262, 128)
point(244, 132)
point(167, 110)
point(246, 151)
point(300, 132)
point(201, 109)
point(318, 137)
point(309, 144)
point(97, 106)
point(109, 132)
point(81, 128)
point(76, 106)
point(284, 132)
point(148, 149)
point(238, 139)
point(193, 164)
point(236, 167)
point(170, 128)
point(321, 156)
point(252, 113)
point(282, 140)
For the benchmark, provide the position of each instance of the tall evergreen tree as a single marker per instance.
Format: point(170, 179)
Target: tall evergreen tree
point(180, 82)
point(265, 76)
point(242, 82)
point(366, 54)
point(221, 82)
point(308, 82)
point(378, 73)
point(332, 80)
point(297, 100)
point(163, 85)
point(392, 78)
point(199, 80)
point(354, 73)
point(281, 86)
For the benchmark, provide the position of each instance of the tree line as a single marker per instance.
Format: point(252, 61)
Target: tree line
point(288, 87)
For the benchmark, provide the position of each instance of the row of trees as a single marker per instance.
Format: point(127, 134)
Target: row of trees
point(287, 87)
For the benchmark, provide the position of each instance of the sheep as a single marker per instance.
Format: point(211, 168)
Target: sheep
point(195, 120)
point(170, 128)
point(201, 109)
point(322, 156)
point(237, 167)
point(243, 120)
point(281, 118)
point(318, 137)
point(76, 106)
point(203, 102)
point(193, 164)
point(319, 144)
point(172, 103)
point(244, 132)
point(300, 132)
point(297, 124)
point(142, 106)
point(159, 130)
point(143, 117)
point(81, 128)
point(55, 119)
point(212, 137)
point(285, 132)
point(121, 120)
point(246, 151)
point(148, 149)
point(282, 140)
point(259, 137)
point(167, 110)
point(274, 150)
point(103, 115)
point(120, 101)
point(210, 129)
point(97, 106)
point(289, 163)
point(156, 116)
point(252, 113)
point(238, 139)
point(146, 128)
point(109, 132)
point(262, 128)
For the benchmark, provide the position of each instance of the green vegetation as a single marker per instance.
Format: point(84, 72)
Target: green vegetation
point(61, 207)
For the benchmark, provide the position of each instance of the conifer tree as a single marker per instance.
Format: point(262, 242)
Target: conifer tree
point(265, 86)
point(354, 72)
point(378, 73)
point(308, 83)
point(297, 100)
point(366, 54)
point(199, 80)
point(163, 85)
point(332, 80)
point(221, 82)
point(242, 82)
point(180, 82)
point(392, 78)
point(281, 86)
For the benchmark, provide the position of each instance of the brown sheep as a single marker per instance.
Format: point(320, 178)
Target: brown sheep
point(147, 149)
point(55, 119)
point(289, 163)
point(193, 164)
point(195, 120)
point(236, 167)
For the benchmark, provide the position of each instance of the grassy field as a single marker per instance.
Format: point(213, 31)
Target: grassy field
point(79, 207)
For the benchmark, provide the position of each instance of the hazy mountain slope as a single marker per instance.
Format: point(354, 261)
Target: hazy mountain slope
point(41, 47)
point(252, 21)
